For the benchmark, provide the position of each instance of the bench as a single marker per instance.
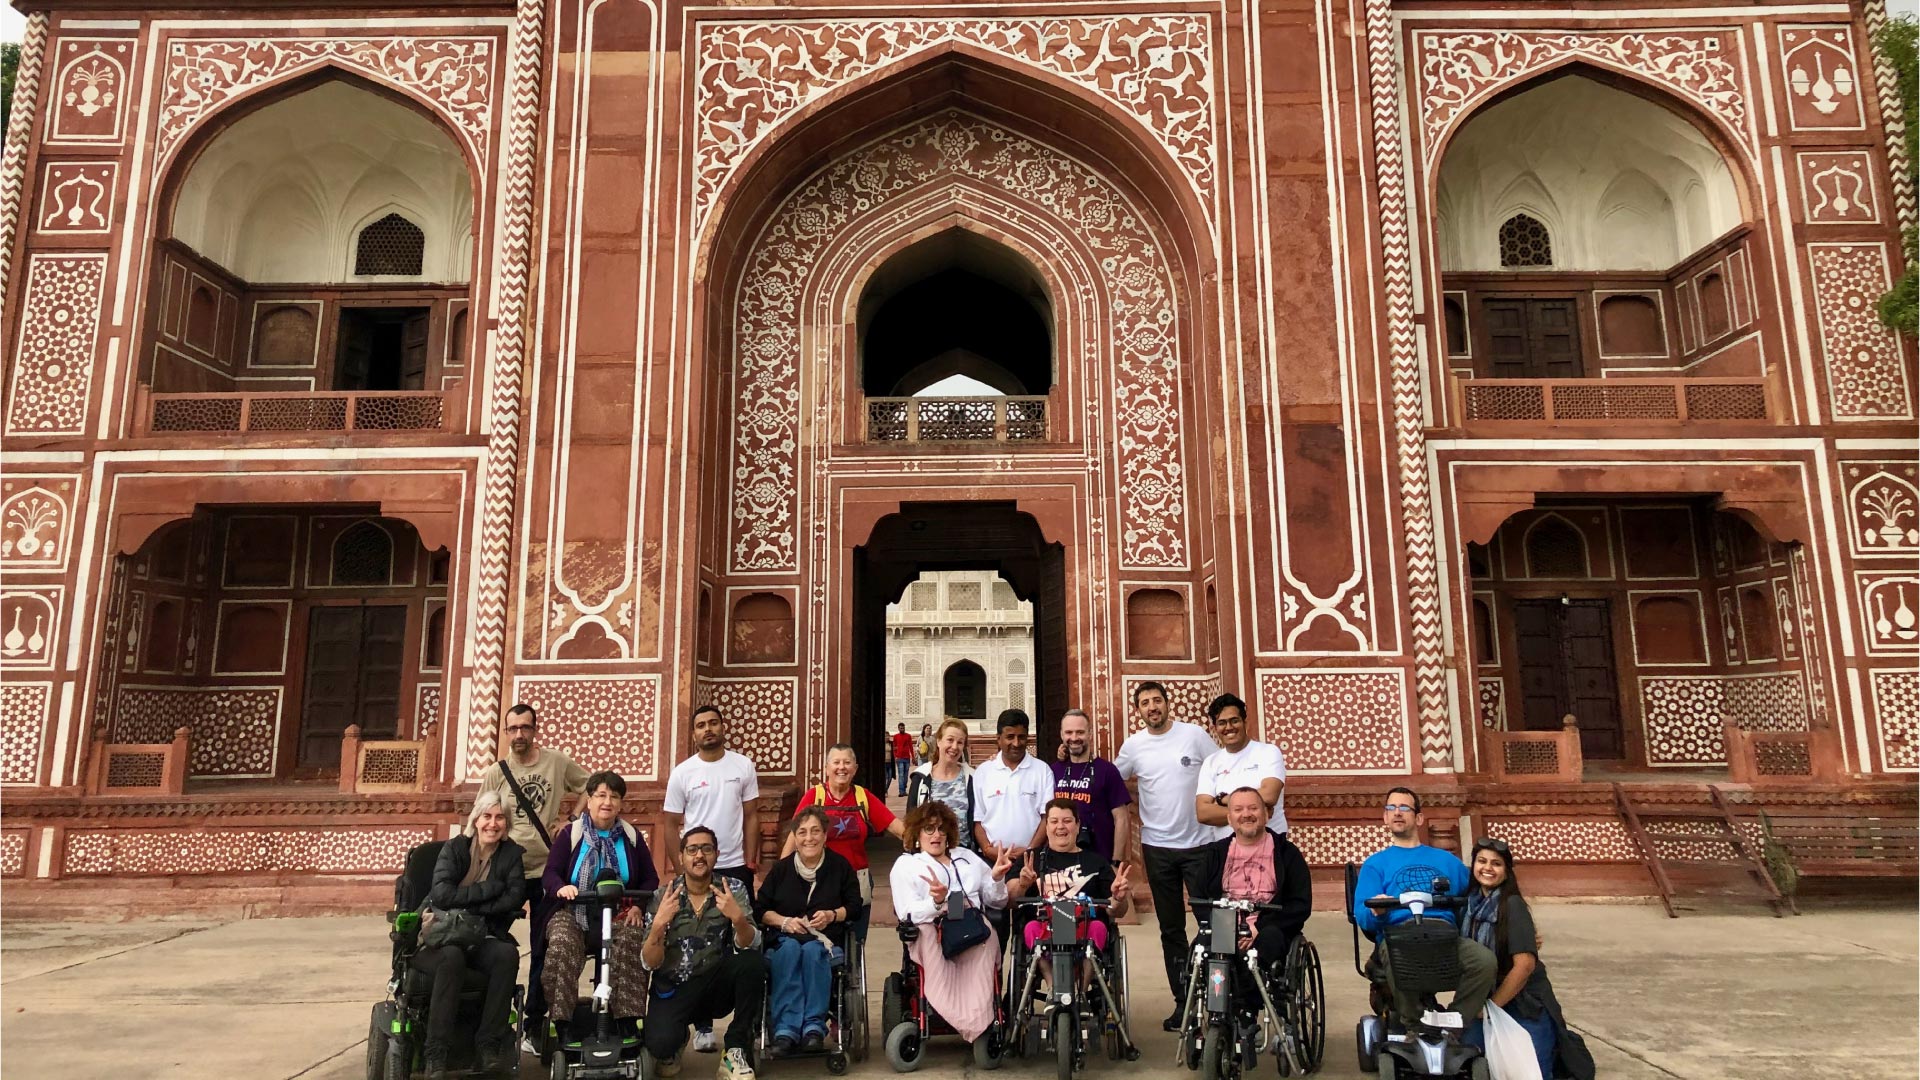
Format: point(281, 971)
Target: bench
point(1835, 846)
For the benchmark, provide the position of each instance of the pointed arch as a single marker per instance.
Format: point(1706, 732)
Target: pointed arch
point(1556, 548)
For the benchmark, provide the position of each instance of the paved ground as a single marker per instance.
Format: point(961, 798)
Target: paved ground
point(1729, 994)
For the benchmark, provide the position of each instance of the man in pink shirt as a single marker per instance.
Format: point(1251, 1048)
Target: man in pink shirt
point(1256, 863)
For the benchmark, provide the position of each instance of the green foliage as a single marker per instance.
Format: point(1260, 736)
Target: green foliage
point(9, 66)
point(1899, 42)
point(1778, 861)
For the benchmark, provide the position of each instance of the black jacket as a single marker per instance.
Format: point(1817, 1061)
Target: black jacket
point(1293, 891)
point(834, 885)
point(497, 896)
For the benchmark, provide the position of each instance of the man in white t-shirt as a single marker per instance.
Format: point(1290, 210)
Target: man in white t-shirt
point(1240, 762)
point(717, 789)
point(1011, 790)
point(1165, 758)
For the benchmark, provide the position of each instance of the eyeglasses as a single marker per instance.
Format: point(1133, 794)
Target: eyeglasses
point(699, 849)
point(1400, 808)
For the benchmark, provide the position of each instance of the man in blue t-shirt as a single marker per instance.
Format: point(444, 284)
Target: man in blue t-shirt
point(1407, 865)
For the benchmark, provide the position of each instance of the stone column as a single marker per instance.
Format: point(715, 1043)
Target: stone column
point(13, 166)
point(513, 289)
point(1409, 422)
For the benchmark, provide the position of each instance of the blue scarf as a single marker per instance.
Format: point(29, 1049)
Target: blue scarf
point(599, 850)
point(1483, 917)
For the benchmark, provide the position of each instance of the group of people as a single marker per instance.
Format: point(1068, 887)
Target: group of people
point(1212, 825)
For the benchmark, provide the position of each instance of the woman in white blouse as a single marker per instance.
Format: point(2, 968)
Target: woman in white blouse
point(960, 989)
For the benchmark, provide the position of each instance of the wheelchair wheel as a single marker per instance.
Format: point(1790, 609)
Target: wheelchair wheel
point(1389, 1067)
point(893, 1009)
point(1479, 1069)
point(399, 1058)
point(1307, 1003)
point(557, 1070)
point(905, 1047)
point(837, 1064)
point(1064, 1036)
point(377, 1033)
point(1216, 1054)
point(987, 1049)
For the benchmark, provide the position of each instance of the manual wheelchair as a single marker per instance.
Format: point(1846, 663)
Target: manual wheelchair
point(1425, 958)
point(1223, 1028)
point(846, 1012)
point(396, 1034)
point(910, 1020)
point(1065, 1018)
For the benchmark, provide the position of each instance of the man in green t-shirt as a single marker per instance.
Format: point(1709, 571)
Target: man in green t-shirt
point(546, 778)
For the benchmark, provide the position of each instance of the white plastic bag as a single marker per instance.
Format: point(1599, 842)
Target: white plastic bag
point(1510, 1053)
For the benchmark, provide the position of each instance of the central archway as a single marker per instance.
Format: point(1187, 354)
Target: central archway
point(858, 204)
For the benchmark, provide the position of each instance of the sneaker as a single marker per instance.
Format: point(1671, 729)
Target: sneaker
point(527, 1047)
point(703, 1040)
point(814, 1043)
point(667, 1069)
point(733, 1066)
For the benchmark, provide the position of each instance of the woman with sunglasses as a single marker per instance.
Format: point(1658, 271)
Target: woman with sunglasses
point(1498, 917)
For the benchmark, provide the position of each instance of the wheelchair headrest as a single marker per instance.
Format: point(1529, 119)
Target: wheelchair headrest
point(417, 880)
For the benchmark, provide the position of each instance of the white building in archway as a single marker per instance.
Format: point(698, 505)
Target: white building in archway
point(959, 643)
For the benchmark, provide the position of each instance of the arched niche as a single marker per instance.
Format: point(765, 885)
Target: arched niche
point(956, 303)
point(1620, 181)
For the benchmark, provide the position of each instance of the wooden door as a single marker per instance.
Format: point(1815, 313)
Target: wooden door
point(413, 351)
point(1566, 666)
point(353, 362)
point(354, 657)
point(1532, 338)
point(1593, 694)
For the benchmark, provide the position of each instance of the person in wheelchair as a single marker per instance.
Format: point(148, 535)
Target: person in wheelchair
point(1407, 865)
point(806, 905)
point(598, 840)
point(478, 871)
point(933, 870)
point(1498, 917)
point(1060, 867)
point(1255, 863)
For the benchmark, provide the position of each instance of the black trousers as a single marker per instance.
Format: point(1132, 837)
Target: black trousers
point(538, 908)
point(1172, 874)
point(737, 986)
point(498, 960)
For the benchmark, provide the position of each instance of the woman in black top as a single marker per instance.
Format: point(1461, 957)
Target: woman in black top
point(1498, 917)
point(479, 871)
point(1063, 868)
point(806, 897)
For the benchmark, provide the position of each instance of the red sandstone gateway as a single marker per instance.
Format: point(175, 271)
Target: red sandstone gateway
point(1489, 395)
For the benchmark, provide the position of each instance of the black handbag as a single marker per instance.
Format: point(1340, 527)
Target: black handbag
point(964, 927)
point(457, 927)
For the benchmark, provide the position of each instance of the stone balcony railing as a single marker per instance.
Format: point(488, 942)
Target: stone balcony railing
point(331, 410)
point(1613, 401)
point(958, 419)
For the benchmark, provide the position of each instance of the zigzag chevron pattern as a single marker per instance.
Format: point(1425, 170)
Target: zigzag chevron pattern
point(1436, 731)
point(503, 441)
point(1892, 119)
point(13, 167)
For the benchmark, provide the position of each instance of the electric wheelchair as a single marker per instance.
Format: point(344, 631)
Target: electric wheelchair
point(396, 1034)
point(910, 1020)
point(1065, 1017)
point(1238, 1006)
point(1425, 958)
point(594, 1044)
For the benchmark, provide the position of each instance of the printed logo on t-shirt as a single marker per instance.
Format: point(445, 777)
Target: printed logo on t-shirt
point(1188, 762)
point(539, 791)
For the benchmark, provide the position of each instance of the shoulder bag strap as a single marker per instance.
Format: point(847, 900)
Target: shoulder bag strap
point(526, 804)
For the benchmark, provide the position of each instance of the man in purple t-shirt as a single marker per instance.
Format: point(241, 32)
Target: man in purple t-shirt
point(1095, 787)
